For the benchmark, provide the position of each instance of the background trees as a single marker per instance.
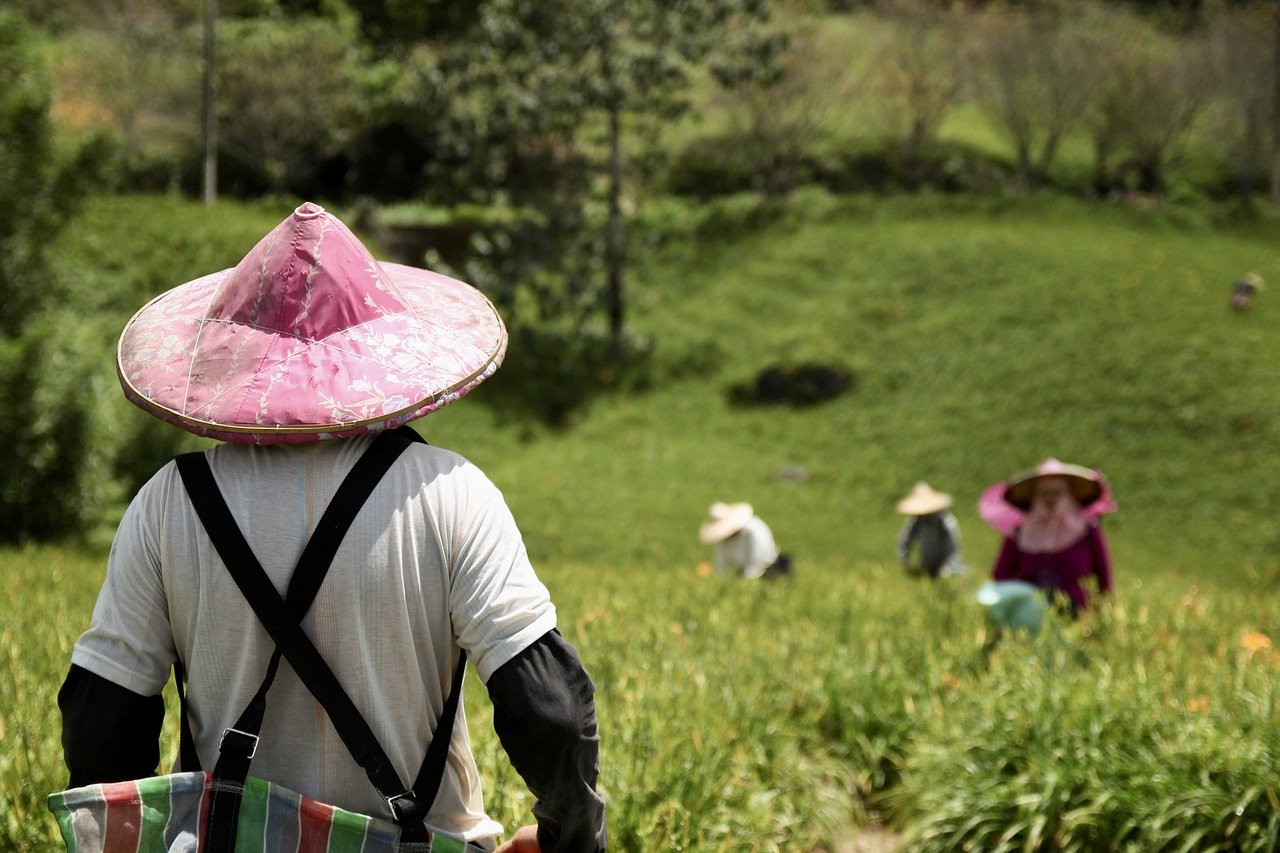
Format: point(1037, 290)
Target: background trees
point(46, 402)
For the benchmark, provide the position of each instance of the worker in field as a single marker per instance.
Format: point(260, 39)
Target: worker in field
point(1244, 290)
point(932, 531)
point(743, 542)
point(1054, 540)
point(323, 533)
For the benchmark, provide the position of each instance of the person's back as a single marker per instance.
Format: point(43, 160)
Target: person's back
point(931, 530)
point(417, 561)
point(432, 563)
point(935, 537)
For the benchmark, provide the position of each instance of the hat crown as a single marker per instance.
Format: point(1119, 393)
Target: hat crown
point(309, 278)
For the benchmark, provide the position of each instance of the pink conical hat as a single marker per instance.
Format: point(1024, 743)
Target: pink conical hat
point(306, 338)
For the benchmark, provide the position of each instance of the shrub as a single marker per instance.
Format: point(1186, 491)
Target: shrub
point(797, 385)
point(551, 372)
point(51, 382)
point(37, 190)
point(713, 166)
point(889, 168)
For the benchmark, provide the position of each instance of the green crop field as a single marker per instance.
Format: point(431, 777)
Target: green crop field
point(983, 336)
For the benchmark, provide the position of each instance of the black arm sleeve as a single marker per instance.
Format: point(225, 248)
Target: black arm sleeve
point(545, 715)
point(109, 733)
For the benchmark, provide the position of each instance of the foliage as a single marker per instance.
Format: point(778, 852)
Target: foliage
point(38, 188)
point(1028, 64)
point(46, 395)
point(56, 481)
point(1149, 88)
point(781, 92)
point(1247, 124)
point(1066, 749)
point(131, 68)
point(797, 385)
point(285, 98)
point(919, 71)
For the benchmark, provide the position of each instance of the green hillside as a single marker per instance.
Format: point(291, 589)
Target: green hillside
point(984, 336)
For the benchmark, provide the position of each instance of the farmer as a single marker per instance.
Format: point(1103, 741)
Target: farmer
point(1058, 544)
point(933, 530)
point(310, 338)
point(1243, 291)
point(744, 543)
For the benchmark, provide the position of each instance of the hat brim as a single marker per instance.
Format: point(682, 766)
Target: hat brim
point(1085, 485)
point(924, 504)
point(717, 530)
point(242, 383)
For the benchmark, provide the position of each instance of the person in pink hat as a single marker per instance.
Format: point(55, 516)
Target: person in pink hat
point(1057, 543)
point(321, 511)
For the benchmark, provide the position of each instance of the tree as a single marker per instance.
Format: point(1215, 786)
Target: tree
point(782, 91)
point(1246, 49)
point(285, 93)
point(1029, 64)
point(1148, 89)
point(130, 66)
point(47, 398)
point(919, 69)
point(37, 189)
point(535, 79)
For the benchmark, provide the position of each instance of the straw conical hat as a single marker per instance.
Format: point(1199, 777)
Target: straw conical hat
point(923, 500)
point(308, 337)
point(724, 520)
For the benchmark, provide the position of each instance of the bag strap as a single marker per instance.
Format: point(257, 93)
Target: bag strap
point(297, 648)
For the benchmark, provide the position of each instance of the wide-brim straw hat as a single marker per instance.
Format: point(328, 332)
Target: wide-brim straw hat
point(924, 500)
point(308, 338)
point(724, 520)
point(1253, 280)
point(1086, 484)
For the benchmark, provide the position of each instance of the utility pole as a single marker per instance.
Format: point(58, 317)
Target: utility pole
point(210, 114)
point(1275, 108)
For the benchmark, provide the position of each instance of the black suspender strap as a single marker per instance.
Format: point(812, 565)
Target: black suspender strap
point(431, 774)
point(281, 620)
point(188, 759)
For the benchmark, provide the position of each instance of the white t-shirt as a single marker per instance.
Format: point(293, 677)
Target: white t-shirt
point(750, 551)
point(433, 561)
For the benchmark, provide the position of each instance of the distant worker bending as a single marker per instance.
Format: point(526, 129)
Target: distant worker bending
point(744, 543)
point(932, 530)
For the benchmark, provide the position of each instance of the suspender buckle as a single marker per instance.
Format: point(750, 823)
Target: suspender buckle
point(405, 807)
point(244, 743)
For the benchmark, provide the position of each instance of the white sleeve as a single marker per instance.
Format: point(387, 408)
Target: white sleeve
point(953, 527)
point(904, 539)
point(129, 641)
point(497, 604)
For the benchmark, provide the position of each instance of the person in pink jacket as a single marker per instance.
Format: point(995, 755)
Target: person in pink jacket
point(1058, 545)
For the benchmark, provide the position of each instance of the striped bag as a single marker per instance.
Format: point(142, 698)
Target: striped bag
point(227, 810)
point(165, 813)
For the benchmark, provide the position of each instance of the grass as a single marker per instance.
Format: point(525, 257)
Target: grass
point(984, 334)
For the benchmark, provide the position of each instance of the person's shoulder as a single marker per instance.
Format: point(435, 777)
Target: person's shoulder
point(447, 468)
point(439, 458)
